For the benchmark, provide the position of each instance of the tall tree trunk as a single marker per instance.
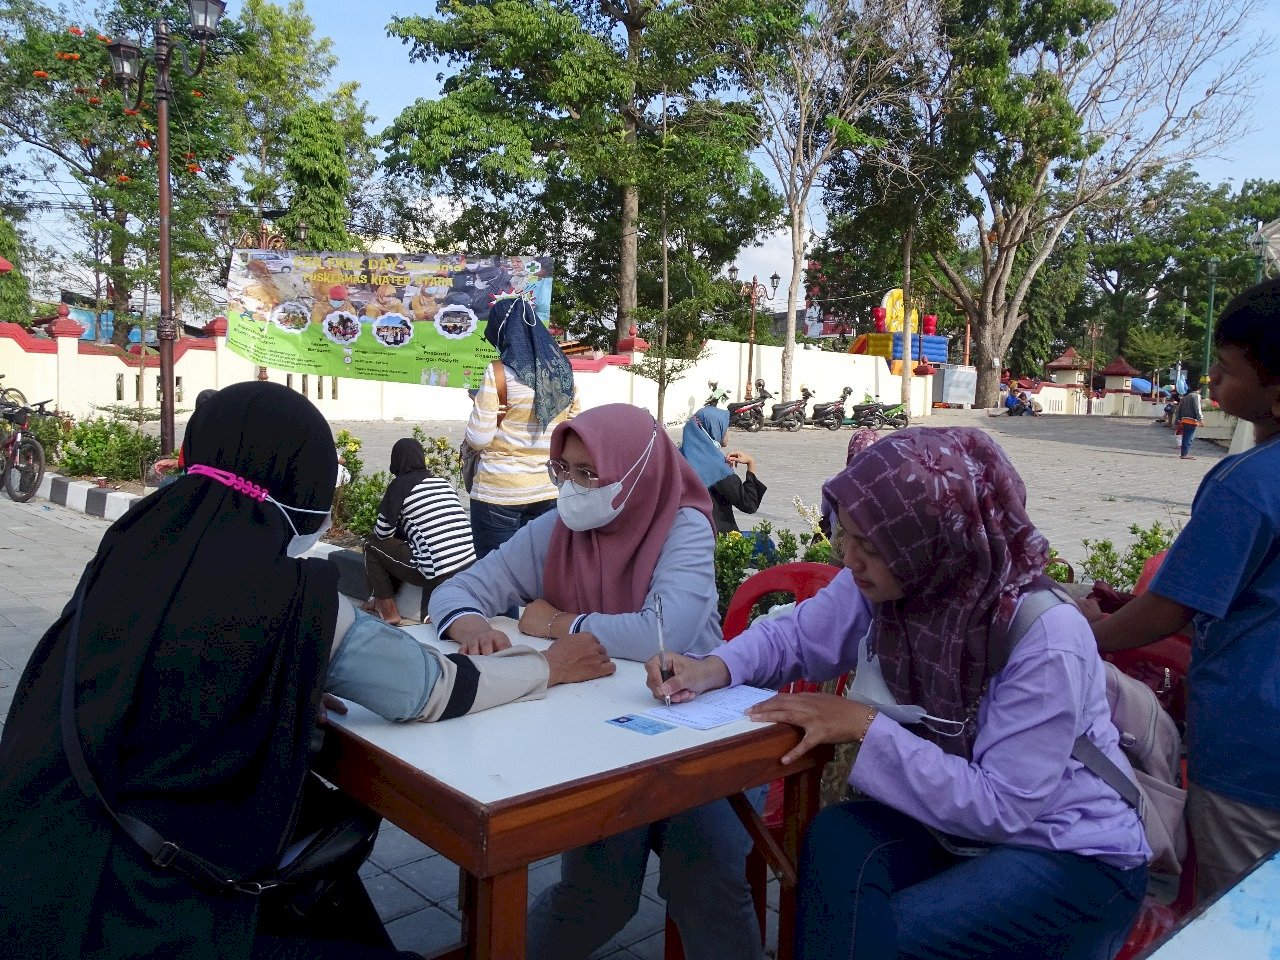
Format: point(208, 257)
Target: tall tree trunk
point(793, 295)
point(908, 239)
point(987, 358)
point(627, 258)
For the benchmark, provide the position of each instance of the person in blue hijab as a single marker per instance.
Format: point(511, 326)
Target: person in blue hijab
point(703, 443)
point(534, 357)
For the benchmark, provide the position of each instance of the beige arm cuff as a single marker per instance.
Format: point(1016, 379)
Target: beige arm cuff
point(517, 673)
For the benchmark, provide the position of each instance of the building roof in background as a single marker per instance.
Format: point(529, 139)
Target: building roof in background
point(1070, 360)
point(1119, 367)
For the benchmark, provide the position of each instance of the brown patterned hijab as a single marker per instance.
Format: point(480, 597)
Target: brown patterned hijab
point(947, 512)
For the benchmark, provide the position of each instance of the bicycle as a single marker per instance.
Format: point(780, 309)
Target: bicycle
point(21, 455)
point(12, 395)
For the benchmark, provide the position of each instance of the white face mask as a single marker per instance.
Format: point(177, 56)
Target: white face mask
point(302, 542)
point(869, 687)
point(592, 509)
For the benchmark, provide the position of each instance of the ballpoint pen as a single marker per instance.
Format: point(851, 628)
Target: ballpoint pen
point(664, 665)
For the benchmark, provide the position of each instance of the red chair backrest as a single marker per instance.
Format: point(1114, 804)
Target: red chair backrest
point(1148, 572)
point(800, 580)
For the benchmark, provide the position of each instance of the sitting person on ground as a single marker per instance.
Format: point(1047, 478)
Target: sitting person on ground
point(705, 435)
point(169, 469)
point(1222, 576)
point(1189, 416)
point(1012, 404)
point(196, 650)
point(978, 834)
point(422, 535)
point(633, 524)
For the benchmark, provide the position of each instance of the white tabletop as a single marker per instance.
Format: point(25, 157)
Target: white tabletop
point(1241, 924)
point(521, 747)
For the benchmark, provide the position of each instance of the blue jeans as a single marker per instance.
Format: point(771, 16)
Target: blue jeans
point(703, 879)
point(1188, 434)
point(493, 525)
point(875, 883)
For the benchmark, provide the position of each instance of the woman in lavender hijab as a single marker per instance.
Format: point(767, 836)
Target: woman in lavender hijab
point(977, 835)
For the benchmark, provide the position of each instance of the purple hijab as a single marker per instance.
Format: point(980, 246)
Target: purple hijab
point(947, 512)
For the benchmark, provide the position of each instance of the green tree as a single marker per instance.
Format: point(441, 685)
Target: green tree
point(1150, 349)
point(315, 169)
point(59, 101)
point(1092, 97)
point(561, 101)
point(276, 69)
point(15, 291)
point(1039, 339)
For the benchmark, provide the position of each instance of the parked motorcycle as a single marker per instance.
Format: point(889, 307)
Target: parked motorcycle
point(748, 414)
point(790, 415)
point(874, 414)
point(829, 415)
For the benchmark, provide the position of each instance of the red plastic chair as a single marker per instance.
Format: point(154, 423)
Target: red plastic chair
point(802, 581)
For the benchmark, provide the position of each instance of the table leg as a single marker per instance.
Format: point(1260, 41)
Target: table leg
point(800, 797)
point(494, 923)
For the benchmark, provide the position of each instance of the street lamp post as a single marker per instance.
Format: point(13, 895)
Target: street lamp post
point(1211, 269)
point(1095, 331)
point(129, 67)
point(755, 292)
point(1258, 244)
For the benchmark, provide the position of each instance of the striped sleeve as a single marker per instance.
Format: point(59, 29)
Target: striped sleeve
point(484, 415)
point(438, 528)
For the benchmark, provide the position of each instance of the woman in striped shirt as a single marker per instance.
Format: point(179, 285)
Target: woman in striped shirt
point(511, 485)
point(422, 535)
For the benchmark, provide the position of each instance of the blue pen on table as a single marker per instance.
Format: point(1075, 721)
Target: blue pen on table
point(664, 664)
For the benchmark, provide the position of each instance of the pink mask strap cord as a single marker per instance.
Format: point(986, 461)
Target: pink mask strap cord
point(229, 479)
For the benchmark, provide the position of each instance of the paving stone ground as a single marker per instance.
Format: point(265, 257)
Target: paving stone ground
point(1086, 478)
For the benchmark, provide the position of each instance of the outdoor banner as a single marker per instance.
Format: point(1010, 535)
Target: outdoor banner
point(408, 317)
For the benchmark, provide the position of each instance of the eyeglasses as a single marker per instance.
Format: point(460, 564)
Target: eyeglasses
point(580, 477)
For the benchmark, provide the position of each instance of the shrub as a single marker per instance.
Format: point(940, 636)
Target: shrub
point(349, 447)
point(737, 556)
point(355, 510)
point(1122, 571)
point(443, 458)
point(101, 447)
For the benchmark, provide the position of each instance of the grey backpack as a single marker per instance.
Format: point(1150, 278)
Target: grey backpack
point(1148, 737)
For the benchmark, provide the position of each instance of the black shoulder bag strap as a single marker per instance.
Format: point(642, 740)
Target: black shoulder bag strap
point(161, 852)
point(1034, 605)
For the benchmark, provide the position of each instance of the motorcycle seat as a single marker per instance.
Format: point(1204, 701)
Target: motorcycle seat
point(779, 408)
point(735, 407)
point(864, 407)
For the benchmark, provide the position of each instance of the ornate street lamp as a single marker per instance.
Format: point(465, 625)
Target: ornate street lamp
point(755, 291)
point(129, 67)
point(1258, 246)
point(1211, 270)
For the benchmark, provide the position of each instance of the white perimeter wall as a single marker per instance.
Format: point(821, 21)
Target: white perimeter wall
point(78, 382)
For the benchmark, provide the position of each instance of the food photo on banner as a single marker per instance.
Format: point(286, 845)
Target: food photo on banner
point(408, 318)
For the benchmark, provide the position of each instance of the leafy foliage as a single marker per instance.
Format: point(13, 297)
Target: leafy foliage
point(443, 457)
point(15, 292)
point(1122, 571)
point(315, 167)
point(108, 447)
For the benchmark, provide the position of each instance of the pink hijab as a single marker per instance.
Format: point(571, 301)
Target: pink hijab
point(947, 512)
point(609, 570)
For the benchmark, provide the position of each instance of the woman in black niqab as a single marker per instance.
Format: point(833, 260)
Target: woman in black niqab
point(202, 653)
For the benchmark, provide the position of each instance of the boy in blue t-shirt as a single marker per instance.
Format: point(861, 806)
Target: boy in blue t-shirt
point(1223, 575)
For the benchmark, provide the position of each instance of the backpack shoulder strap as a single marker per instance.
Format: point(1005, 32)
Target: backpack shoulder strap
point(1034, 605)
point(500, 380)
point(1089, 754)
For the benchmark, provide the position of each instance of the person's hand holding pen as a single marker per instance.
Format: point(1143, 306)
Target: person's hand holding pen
point(688, 676)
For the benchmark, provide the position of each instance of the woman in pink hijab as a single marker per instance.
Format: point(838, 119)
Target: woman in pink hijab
point(978, 833)
point(633, 523)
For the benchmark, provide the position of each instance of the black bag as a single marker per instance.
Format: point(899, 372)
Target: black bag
point(334, 834)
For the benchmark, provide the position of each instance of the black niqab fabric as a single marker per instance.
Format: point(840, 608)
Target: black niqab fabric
point(408, 468)
point(202, 654)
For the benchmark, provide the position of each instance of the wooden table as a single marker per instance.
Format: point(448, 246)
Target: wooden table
point(498, 790)
point(1242, 923)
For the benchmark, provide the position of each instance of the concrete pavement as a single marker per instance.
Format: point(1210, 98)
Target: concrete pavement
point(1085, 477)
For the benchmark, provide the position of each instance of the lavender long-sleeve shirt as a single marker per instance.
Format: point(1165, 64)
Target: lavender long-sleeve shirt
point(1022, 786)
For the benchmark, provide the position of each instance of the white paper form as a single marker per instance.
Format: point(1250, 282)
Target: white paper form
point(713, 709)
